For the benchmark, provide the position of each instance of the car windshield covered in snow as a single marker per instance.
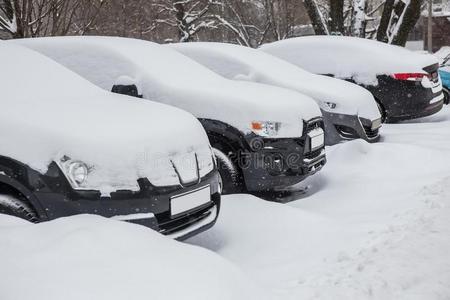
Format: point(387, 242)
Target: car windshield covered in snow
point(166, 76)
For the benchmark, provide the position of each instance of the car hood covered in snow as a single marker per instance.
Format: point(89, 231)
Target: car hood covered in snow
point(243, 63)
point(164, 75)
point(49, 112)
point(349, 57)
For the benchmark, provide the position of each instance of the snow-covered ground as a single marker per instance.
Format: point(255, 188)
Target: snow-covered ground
point(373, 224)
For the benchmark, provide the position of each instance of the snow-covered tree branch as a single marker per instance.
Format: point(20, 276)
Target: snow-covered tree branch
point(189, 17)
point(8, 17)
point(31, 18)
point(386, 20)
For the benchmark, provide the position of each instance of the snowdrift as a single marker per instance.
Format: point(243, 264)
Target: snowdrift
point(92, 258)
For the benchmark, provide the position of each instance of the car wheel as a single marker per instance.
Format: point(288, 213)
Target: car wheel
point(382, 111)
point(230, 178)
point(14, 207)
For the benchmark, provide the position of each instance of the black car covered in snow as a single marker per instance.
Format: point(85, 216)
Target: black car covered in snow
point(405, 84)
point(68, 147)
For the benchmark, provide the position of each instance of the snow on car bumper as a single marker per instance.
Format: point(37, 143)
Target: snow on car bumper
point(150, 207)
point(339, 127)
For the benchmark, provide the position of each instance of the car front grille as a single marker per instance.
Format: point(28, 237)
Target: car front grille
point(313, 124)
point(371, 133)
point(313, 154)
point(168, 225)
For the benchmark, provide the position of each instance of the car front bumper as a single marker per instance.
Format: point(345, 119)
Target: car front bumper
point(340, 127)
point(150, 207)
point(275, 164)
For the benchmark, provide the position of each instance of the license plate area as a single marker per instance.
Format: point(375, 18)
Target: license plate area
point(317, 138)
point(435, 76)
point(376, 124)
point(185, 202)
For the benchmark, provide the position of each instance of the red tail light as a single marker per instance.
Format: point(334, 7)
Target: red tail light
point(411, 76)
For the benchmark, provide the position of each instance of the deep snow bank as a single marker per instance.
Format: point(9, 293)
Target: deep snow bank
point(88, 257)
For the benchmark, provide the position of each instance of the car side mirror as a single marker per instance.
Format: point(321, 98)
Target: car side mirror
point(124, 85)
point(129, 90)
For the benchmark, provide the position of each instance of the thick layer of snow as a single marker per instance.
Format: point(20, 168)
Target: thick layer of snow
point(373, 224)
point(48, 112)
point(169, 77)
point(349, 57)
point(243, 63)
point(92, 258)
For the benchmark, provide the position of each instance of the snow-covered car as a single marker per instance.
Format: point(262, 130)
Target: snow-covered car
point(444, 71)
point(264, 137)
point(68, 147)
point(405, 84)
point(349, 111)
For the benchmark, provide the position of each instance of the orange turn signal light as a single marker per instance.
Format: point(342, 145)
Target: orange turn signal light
point(257, 126)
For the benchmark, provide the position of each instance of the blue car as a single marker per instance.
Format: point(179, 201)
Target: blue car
point(445, 76)
point(444, 72)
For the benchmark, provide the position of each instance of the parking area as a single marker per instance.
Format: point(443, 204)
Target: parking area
point(373, 224)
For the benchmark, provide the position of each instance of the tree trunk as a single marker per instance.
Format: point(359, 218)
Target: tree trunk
point(317, 21)
point(385, 21)
point(359, 18)
point(410, 17)
point(183, 30)
point(336, 22)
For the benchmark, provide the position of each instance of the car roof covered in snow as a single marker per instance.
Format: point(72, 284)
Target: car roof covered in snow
point(244, 63)
point(349, 57)
point(49, 112)
point(167, 76)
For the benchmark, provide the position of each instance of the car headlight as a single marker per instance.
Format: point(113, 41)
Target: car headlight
point(76, 171)
point(327, 105)
point(266, 128)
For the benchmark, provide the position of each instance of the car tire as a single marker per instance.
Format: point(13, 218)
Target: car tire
point(230, 176)
point(382, 111)
point(12, 206)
